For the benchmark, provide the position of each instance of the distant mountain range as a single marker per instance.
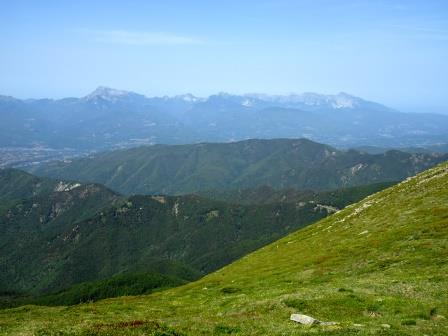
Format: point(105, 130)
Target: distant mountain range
point(276, 163)
point(109, 118)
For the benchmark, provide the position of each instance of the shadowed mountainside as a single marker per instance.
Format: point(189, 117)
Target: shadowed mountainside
point(77, 232)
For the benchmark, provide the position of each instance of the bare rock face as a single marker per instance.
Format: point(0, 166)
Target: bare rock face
point(308, 320)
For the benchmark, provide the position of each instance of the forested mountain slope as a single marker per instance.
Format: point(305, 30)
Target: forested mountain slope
point(279, 163)
point(84, 232)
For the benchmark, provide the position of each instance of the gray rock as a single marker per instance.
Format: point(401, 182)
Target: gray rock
point(303, 319)
point(328, 323)
point(308, 320)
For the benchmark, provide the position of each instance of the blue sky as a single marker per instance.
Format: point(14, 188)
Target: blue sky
point(393, 52)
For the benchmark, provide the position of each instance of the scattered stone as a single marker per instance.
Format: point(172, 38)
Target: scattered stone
point(308, 320)
point(328, 208)
point(385, 325)
point(303, 319)
point(328, 323)
point(373, 314)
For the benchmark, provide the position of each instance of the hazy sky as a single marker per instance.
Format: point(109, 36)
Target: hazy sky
point(393, 52)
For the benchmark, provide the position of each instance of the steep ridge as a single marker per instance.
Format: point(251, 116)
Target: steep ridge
point(277, 163)
point(378, 267)
point(17, 184)
point(264, 195)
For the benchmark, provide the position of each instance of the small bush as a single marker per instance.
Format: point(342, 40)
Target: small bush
point(230, 290)
point(375, 307)
point(296, 304)
point(433, 312)
point(409, 322)
point(421, 316)
point(124, 328)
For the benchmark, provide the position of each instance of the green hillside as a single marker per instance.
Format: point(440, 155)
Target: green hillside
point(279, 163)
point(378, 267)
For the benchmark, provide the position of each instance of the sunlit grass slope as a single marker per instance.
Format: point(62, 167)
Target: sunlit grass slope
point(379, 267)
